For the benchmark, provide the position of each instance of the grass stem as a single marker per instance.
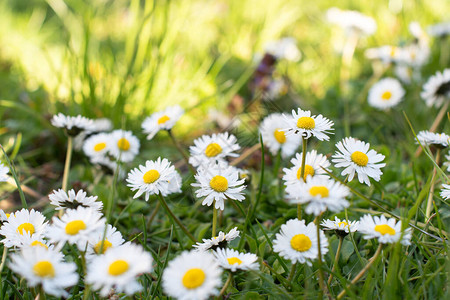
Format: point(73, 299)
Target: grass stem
point(65, 179)
point(214, 220)
point(302, 173)
point(336, 259)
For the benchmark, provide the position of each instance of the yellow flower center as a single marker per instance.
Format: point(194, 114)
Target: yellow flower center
point(385, 229)
point(123, 144)
point(118, 267)
point(306, 123)
point(386, 95)
point(193, 278)
point(8, 215)
point(319, 190)
point(44, 268)
point(106, 245)
point(308, 171)
point(343, 223)
point(301, 242)
point(163, 119)
point(234, 260)
point(99, 147)
point(219, 183)
point(213, 149)
point(360, 158)
point(393, 51)
point(151, 176)
point(27, 227)
point(279, 136)
point(73, 227)
point(40, 244)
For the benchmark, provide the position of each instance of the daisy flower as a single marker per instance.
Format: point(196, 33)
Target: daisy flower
point(313, 168)
point(430, 138)
point(285, 48)
point(218, 183)
point(21, 224)
point(445, 192)
point(210, 149)
point(162, 120)
point(192, 275)
point(437, 89)
point(219, 241)
point(320, 194)
point(447, 163)
point(386, 93)
point(356, 157)
point(113, 239)
point(277, 87)
point(152, 179)
point(72, 200)
point(76, 226)
point(3, 217)
point(73, 125)
point(46, 267)
point(101, 125)
point(275, 139)
point(124, 145)
point(387, 53)
point(35, 241)
point(234, 260)
point(440, 30)
point(340, 226)
point(97, 145)
point(118, 268)
point(352, 21)
point(385, 230)
point(298, 242)
point(3, 173)
point(305, 125)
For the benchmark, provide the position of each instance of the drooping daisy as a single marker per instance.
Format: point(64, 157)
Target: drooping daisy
point(218, 183)
point(385, 230)
point(285, 48)
point(210, 149)
point(430, 138)
point(386, 93)
point(304, 124)
point(320, 194)
point(62, 200)
point(340, 226)
point(192, 275)
point(153, 178)
point(124, 145)
point(437, 89)
point(275, 139)
point(76, 226)
point(356, 157)
point(162, 120)
point(440, 30)
point(445, 191)
point(21, 224)
point(298, 242)
point(73, 125)
point(97, 145)
point(352, 21)
point(219, 241)
point(3, 173)
point(118, 268)
point(99, 245)
point(234, 260)
point(314, 164)
point(46, 267)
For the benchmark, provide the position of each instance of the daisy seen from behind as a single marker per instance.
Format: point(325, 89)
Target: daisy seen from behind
point(124, 145)
point(162, 120)
point(297, 242)
point(72, 125)
point(192, 275)
point(386, 93)
point(235, 261)
point(118, 269)
point(218, 183)
point(437, 89)
point(219, 241)
point(275, 139)
point(356, 158)
point(71, 200)
point(46, 267)
point(387, 231)
point(304, 124)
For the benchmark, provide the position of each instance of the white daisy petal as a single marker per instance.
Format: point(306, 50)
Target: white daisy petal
point(303, 124)
point(437, 89)
point(275, 139)
point(386, 93)
point(386, 231)
point(162, 120)
point(211, 149)
point(234, 260)
point(124, 145)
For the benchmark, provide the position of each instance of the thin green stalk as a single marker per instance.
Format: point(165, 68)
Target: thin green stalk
point(214, 221)
point(177, 145)
point(65, 179)
point(175, 219)
point(16, 178)
point(276, 167)
point(336, 259)
point(433, 181)
point(42, 295)
point(227, 283)
point(292, 272)
point(5, 254)
point(302, 173)
point(319, 258)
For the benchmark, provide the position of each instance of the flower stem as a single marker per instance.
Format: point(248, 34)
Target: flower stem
point(16, 179)
point(336, 259)
point(291, 274)
point(361, 273)
point(227, 283)
point(175, 219)
point(5, 254)
point(276, 167)
point(319, 258)
point(177, 145)
point(433, 181)
point(302, 173)
point(214, 221)
point(65, 179)
point(42, 293)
